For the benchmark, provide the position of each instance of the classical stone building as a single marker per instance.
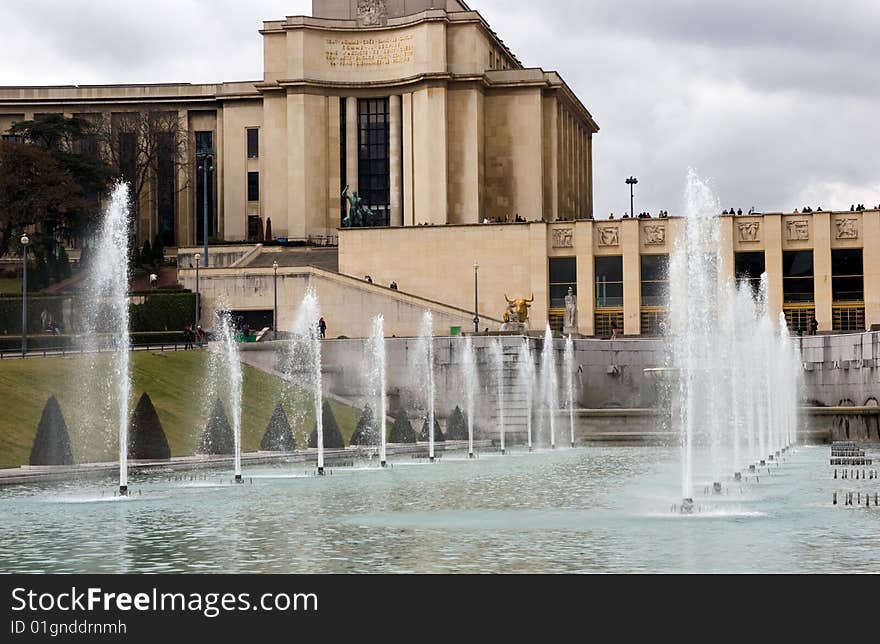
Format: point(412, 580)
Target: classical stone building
point(416, 105)
point(419, 108)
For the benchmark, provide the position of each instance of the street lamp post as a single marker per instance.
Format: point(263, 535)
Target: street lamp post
point(198, 259)
point(205, 166)
point(24, 246)
point(631, 182)
point(476, 299)
point(275, 308)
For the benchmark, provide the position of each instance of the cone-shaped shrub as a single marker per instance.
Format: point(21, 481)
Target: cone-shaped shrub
point(279, 437)
point(366, 433)
point(146, 438)
point(52, 442)
point(438, 433)
point(332, 436)
point(456, 426)
point(402, 432)
point(217, 439)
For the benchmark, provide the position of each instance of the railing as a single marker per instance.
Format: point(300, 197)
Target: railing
point(605, 321)
point(654, 320)
point(47, 352)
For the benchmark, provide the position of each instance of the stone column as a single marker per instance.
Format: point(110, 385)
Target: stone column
point(822, 269)
point(771, 234)
point(871, 258)
point(351, 144)
point(395, 159)
point(632, 287)
point(586, 277)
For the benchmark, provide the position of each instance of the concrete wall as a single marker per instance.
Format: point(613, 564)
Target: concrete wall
point(347, 305)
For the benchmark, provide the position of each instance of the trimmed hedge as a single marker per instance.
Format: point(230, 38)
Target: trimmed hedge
point(160, 311)
point(402, 432)
point(163, 312)
point(456, 426)
point(332, 435)
point(146, 438)
point(37, 343)
point(52, 442)
point(10, 313)
point(279, 436)
point(366, 434)
point(438, 434)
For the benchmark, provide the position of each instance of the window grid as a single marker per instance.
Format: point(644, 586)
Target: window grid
point(849, 318)
point(799, 317)
point(654, 321)
point(253, 143)
point(605, 321)
point(374, 167)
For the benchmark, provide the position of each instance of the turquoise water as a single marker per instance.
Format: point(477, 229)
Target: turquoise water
point(590, 510)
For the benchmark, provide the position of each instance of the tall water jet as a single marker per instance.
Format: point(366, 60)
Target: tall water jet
point(549, 383)
point(497, 356)
point(229, 360)
point(426, 363)
point(568, 361)
point(304, 354)
point(731, 362)
point(525, 381)
point(376, 350)
point(105, 325)
point(469, 379)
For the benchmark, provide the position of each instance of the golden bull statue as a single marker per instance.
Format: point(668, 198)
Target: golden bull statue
point(520, 307)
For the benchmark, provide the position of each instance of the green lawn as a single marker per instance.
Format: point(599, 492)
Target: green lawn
point(10, 285)
point(175, 383)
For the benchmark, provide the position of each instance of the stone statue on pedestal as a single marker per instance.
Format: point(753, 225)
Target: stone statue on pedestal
point(570, 327)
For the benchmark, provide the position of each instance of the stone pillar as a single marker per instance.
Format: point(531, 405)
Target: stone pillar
point(871, 258)
point(395, 160)
point(351, 144)
point(586, 278)
point(632, 287)
point(772, 237)
point(822, 269)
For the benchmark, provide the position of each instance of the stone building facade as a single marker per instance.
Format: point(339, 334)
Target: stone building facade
point(416, 105)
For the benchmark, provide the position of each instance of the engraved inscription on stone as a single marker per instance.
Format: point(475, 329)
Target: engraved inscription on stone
point(372, 13)
point(748, 231)
point(369, 52)
point(847, 228)
point(798, 230)
point(563, 238)
point(609, 236)
point(655, 235)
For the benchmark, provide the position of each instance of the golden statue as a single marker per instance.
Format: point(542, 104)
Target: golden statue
point(520, 307)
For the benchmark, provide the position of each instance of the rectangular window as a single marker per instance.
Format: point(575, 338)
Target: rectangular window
point(11, 138)
point(204, 185)
point(166, 187)
point(374, 162)
point(797, 277)
point(343, 159)
point(847, 276)
point(655, 280)
point(127, 144)
point(609, 282)
point(253, 143)
point(563, 275)
point(253, 186)
point(748, 268)
point(253, 230)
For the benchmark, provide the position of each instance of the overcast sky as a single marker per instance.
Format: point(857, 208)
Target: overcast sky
point(776, 101)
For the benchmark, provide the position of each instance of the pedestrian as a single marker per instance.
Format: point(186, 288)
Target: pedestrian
point(394, 286)
point(188, 338)
point(322, 328)
point(200, 335)
point(369, 279)
point(814, 326)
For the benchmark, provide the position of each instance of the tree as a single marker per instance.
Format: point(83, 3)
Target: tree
point(158, 251)
point(51, 183)
point(147, 254)
point(52, 442)
point(279, 436)
point(366, 433)
point(134, 142)
point(217, 438)
point(146, 440)
point(402, 432)
point(438, 434)
point(456, 426)
point(332, 435)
